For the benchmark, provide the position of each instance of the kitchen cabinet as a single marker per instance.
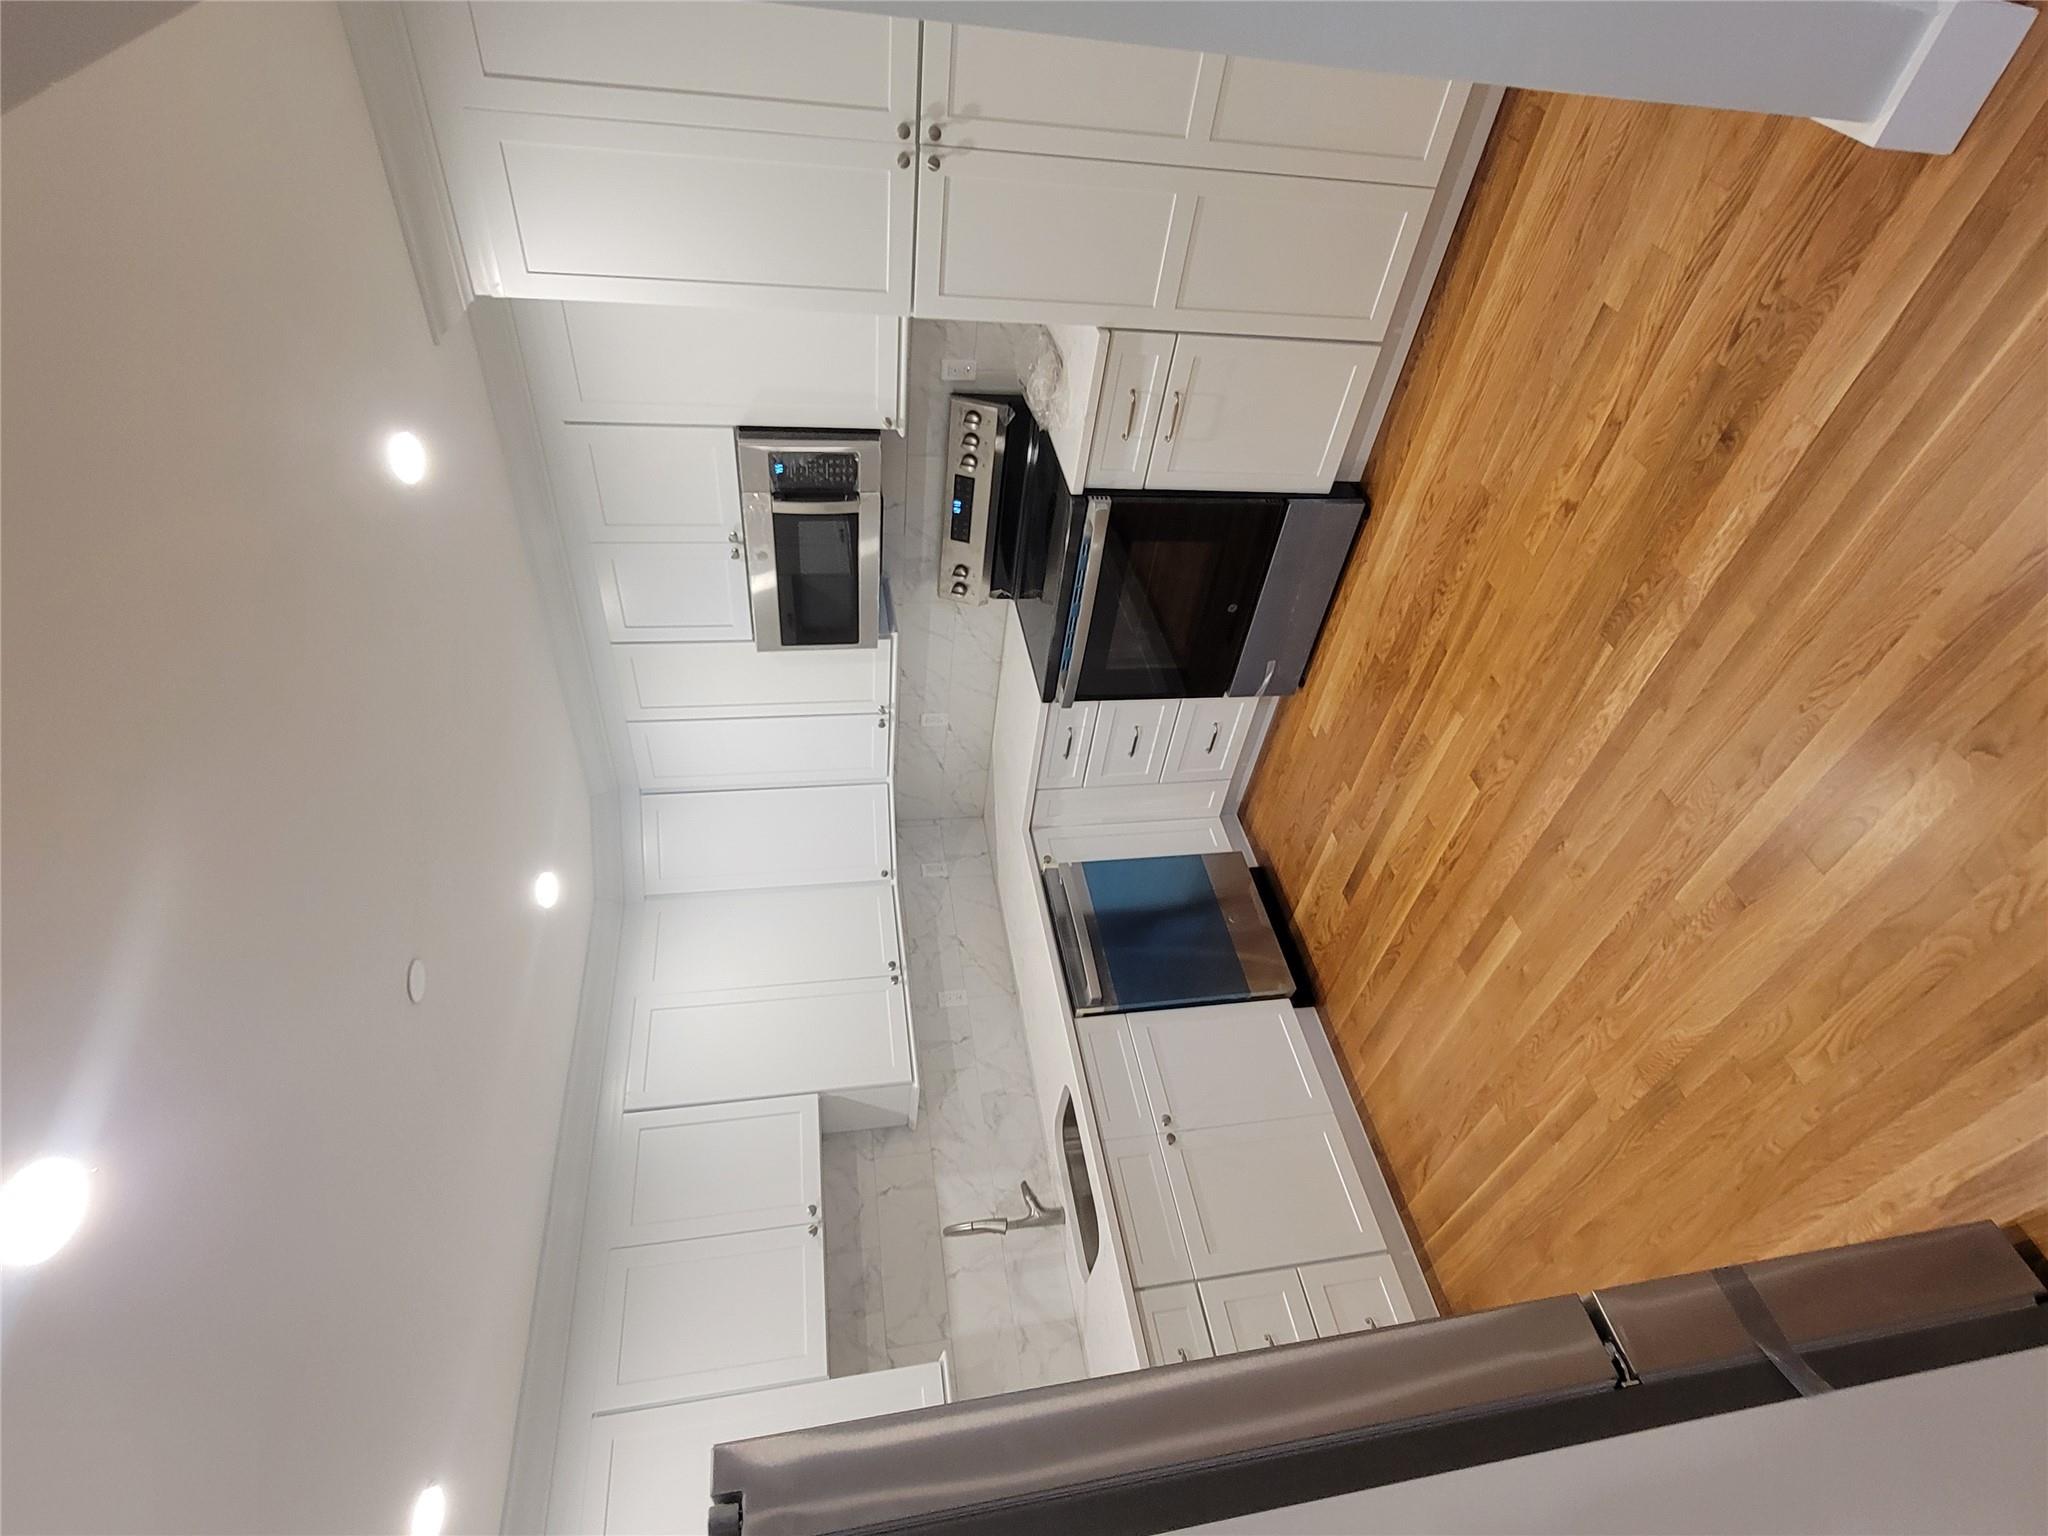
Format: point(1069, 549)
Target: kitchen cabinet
point(1256, 1311)
point(694, 682)
point(1226, 1065)
point(1139, 1182)
point(1043, 238)
point(1131, 840)
point(641, 484)
point(1116, 1082)
point(1208, 737)
point(1253, 414)
point(686, 592)
point(1253, 1196)
point(1133, 384)
point(1128, 742)
point(816, 1037)
point(1355, 1295)
point(771, 68)
point(735, 940)
point(728, 840)
point(704, 1171)
point(647, 1472)
point(618, 366)
point(708, 1315)
point(1175, 1329)
point(991, 89)
point(1065, 753)
point(751, 751)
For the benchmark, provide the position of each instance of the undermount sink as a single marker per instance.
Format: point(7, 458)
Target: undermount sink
point(1080, 1191)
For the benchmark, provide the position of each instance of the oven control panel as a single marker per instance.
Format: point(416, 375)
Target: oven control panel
point(814, 476)
point(969, 476)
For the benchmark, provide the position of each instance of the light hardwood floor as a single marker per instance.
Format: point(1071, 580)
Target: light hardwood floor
point(1664, 818)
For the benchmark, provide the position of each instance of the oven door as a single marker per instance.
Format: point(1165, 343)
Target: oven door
point(1163, 593)
point(815, 571)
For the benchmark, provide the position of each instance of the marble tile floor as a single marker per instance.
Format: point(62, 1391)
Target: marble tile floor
point(896, 1293)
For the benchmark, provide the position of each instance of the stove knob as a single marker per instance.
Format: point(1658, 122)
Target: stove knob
point(968, 461)
point(959, 589)
point(959, 570)
point(972, 418)
point(971, 440)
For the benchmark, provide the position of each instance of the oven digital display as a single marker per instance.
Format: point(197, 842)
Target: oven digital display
point(814, 476)
point(960, 521)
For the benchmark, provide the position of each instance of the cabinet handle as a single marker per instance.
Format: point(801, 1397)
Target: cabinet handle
point(1131, 419)
point(903, 161)
point(903, 130)
point(1165, 1120)
point(1172, 1140)
point(814, 1233)
point(1173, 426)
point(885, 874)
point(1371, 1323)
point(1214, 732)
point(811, 1210)
point(932, 133)
point(1134, 741)
point(1269, 1337)
point(1069, 752)
point(1183, 1355)
point(932, 161)
point(892, 965)
point(735, 551)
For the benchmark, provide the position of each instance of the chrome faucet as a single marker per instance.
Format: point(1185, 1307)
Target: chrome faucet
point(1036, 1214)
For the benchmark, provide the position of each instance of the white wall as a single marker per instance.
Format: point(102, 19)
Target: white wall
point(272, 726)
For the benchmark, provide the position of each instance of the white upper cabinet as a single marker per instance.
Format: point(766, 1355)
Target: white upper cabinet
point(729, 940)
point(731, 840)
point(1246, 413)
point(694, 682)
point(673, 591)
point(990, 89)
point(653, 152)
point(593, 362)
point(820, 1037)
point(1133, 385)
point(714, 1169)
point(774, 68)
point(751, 751)
point(645, 484)
point(1003, 236)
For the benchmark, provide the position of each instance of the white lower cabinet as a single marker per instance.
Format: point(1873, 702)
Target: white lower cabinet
point(1175, 1329)
point(1208, 737)
point(714, 1169)
point(1355, 1295)
point(1128, 742)
point(1138, 1180)
point(729, 840)
point(1256, 1311)
point(709, 1315)
point(1249, 413)
point(1065, 753)
point(1127, 410)
point(761, 751)
point(821, 1037)
point(648, 1471)
point(1226, 1065)
point(1276, 1192)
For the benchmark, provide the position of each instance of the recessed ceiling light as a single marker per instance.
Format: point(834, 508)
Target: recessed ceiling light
point(40, 1207)
point(406, 457)
point(547, 889)
point(429, 1511)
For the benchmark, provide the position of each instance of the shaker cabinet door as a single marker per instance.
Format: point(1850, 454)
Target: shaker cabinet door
point(761, 751)
point(1257, 414)
point(1127, 412)
point(749, 839)
point(1355, 1295)
point(714, 1169)
point(689, 592)
point(1256, 1311)
point(1225, 1065)
point(1280, 1192)
point(1175, 1330)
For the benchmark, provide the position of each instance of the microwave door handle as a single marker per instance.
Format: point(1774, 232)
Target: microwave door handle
point(1081, 618)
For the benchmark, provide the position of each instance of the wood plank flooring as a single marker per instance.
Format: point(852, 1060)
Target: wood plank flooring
point(1665, 818)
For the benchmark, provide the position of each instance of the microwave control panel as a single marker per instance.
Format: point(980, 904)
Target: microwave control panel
point(814, 476)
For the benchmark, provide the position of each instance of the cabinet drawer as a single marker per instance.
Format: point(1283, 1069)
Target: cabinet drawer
point(1065, 754)
point(1225, 1065)
point(742, 839)
point(1355, 1295)
point(715, 1169)
point(761, 751)
point(710, 1315)
point(1208, 736)
point(1259, 1196)
point(1153, 1244)
point(1175, 1329)
point(1129, 741)
point(1256, 1311)
point(702, 1048)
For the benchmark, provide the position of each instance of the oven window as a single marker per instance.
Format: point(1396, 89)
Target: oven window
point(1180, 581)
point(817, 577)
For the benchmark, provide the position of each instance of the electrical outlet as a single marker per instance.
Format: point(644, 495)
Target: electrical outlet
point(953, 999)
point(935, 871)
point(933, 722)
point(957, 370)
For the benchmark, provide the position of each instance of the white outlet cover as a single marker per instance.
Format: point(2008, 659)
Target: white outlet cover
point(956, 370)
point(935, 871)
point(933, 722)
point(953, 999)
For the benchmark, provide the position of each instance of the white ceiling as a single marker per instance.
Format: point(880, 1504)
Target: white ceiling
point(273, 726)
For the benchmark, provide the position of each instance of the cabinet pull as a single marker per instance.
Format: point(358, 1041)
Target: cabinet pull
point(1214, 732)
point(1131, 419)
point(1183, 1355)
point(1172, 1140)
point(814, 1233)
point(811, 1210)
point(735, 551)
point(1134, 741)
point(1069, 752)
point(1166, 1120)
point(1173, 426)
point(933, 133)
point(903, 130)
point(1269, 1341)
point(903, 161)
point(1371, 1323)
point(932, 161)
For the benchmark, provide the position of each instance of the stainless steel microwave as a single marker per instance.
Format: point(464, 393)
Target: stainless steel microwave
point(811, 510)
